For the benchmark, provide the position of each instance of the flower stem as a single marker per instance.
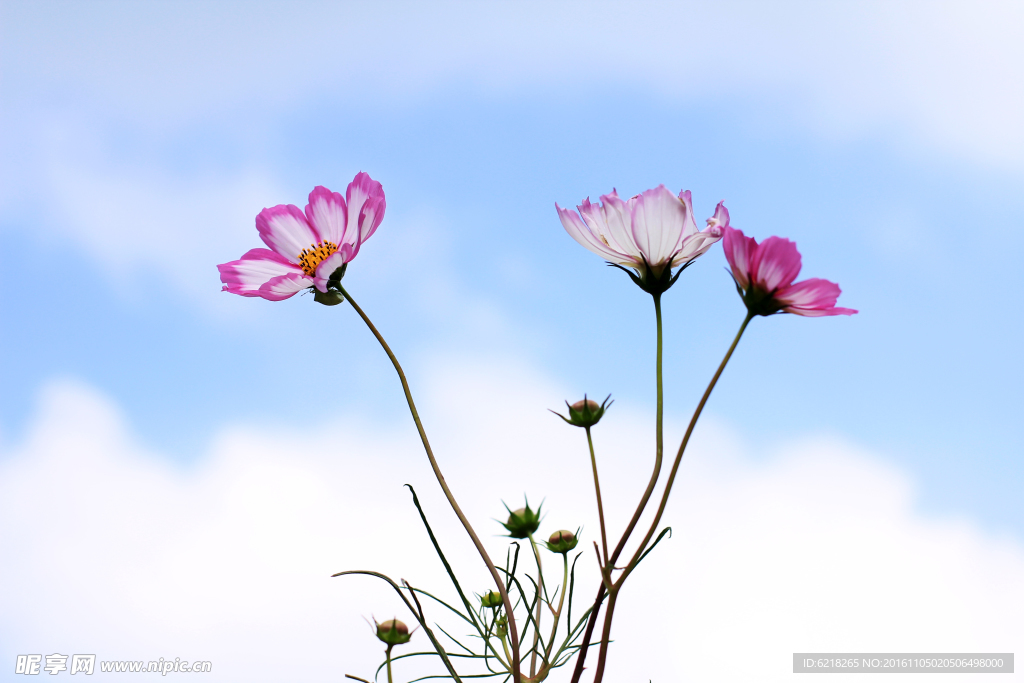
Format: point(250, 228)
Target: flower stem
point(682, 448)
point(540, 605)
point(513, 633)
point(388, 655)
point(561, 603)
point(597, 489)
point(606, 634)
point(658, 453)
point(659, 440)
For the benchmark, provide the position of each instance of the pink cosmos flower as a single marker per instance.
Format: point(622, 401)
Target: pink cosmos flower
point(764, 275)
point(309, 249)
point(653, 232)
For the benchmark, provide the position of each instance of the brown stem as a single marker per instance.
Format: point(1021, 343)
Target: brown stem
point(606, 633)
point(581, 658)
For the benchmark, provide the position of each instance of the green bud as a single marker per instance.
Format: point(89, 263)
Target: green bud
point(501, 626)
point(329, 298)
point(522, 522)
point(393, 632)
point(562, 542)
point(492, 599)
point(585, 413)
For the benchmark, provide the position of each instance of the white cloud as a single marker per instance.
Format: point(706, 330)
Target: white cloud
point(813, 546)
point(944, 75)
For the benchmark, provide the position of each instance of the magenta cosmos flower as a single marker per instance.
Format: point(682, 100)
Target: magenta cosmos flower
point(651, 233)
point(764, 275)
point(307, 249)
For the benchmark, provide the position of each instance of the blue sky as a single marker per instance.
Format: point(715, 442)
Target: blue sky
point(139, 142)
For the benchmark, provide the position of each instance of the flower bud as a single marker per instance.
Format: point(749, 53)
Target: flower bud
point(330, 298)
point(501, 626)
point(562, 541)
point(585, 413)
point(492, 599)
point(522, 522)
point(393, 632)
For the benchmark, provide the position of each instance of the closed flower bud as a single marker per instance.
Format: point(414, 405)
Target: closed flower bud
point(393, 632)
point(585, 413)
point(522, 522)
point(331, 298)
point(492, 599)
point(501, 627)
point(562, 541)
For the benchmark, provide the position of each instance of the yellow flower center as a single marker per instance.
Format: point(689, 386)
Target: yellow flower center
point(313, 255)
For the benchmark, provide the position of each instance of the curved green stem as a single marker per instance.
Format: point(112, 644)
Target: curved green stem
point(597, 489)
point(659, 441)
point(540, 605)
point(682, 449)
point(658, 453)
point(561, 602)
point(513, 633)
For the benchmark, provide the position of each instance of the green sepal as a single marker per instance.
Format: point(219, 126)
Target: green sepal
point(522, 522)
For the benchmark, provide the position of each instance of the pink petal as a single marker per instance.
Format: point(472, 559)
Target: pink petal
point(775, 263)
point(694, 246)
point(359, 190)
point(331, 264)
point(284, 229)
point(738, 250)
point(369, 218)
point(327, 212)
point(812, 297)
point(658, 219)
point(256, 267)
point(284, 286)
point(611, 220)
point(691, 225)
point(720, 220)
point(580, 232)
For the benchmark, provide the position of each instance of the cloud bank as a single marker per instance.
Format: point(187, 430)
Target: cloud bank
point(946, 74)
point(812, 545)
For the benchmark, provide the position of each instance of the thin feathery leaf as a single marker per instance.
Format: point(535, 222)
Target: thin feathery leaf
point(444, 560)
point(666, 530)
point(419, 616)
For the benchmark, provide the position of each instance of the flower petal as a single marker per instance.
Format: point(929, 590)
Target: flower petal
point(690, 227)
point(720, 220)
point(369, 218)
point(775, 263)
point(611, 219)
point(362, 188)
point(327, 212)
point(812, 297)
point(582, 233)
point(256, 267)
point(658, 219)
point(694, 246)
point(284, 286)
point(284, 229)
point(738, 250)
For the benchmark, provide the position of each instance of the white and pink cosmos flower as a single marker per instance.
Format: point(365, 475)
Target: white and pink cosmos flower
point(764, 274)
point(652, 233)
point(307, 248)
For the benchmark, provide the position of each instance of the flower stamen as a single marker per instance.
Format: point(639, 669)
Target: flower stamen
point(313, 255)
